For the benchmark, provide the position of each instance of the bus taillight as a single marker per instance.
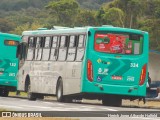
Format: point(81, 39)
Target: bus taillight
point(143, 75)
point(89, 71)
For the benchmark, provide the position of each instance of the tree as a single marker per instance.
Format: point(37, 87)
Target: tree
point(152, 13)
point(6, 25)
point(64, 11)
point(85, 18)
point(114, 16)
point(132, 10)
point(99, 16)
point(18, 30)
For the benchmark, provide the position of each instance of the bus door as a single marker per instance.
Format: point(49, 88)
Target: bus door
point(21, 54)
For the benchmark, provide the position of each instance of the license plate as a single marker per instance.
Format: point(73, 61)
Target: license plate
point(116, 77)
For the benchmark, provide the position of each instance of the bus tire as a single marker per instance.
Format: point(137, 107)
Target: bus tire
point(40, 96)
point(30, 95)
point(4, 93)
point(112, 101)
point(67, 99)
point(59, 91)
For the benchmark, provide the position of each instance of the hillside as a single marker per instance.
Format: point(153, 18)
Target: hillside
point(19, 15)
point(16, 5)
point(92, 4)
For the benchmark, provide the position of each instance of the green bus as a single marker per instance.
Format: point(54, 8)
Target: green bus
point(106, 63)
point(8, 63)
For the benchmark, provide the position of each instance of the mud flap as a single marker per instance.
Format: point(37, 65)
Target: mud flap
point(144, 100)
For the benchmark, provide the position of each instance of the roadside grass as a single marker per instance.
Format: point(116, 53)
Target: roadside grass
point(22, 94)
point(136, 103)
point(2, 109)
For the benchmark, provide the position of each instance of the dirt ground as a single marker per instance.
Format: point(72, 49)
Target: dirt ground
point(136, 103)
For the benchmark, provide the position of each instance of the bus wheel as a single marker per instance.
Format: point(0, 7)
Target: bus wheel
point(31, 96)
point(112, 101)
point(4, 93)
point(39, 96)
point(59, 91)
point(68, 99)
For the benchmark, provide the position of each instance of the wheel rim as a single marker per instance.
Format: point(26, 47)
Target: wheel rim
point(59, 92)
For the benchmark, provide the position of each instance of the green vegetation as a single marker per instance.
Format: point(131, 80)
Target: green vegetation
point(2, 109)
point(22, 94)
point(19, 15)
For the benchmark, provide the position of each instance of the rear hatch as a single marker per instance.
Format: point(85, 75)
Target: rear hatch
point(8, 60)
point(118, 58)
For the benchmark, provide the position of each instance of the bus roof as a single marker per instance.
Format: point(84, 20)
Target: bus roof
point(10, 35)
point(80, 30)
point(55, 31)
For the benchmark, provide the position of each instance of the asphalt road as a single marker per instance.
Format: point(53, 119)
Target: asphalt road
point(83, 111)
point(23, 104)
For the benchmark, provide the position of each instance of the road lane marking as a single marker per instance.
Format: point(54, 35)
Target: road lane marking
point(146, 118)
point(36, 106)
point(10, 106)
point(108, 109)
point(46, 102)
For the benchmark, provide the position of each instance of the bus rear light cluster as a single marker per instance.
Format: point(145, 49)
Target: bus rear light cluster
point(143, 75)
point(89, 71)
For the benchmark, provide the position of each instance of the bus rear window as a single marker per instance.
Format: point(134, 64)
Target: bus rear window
point(118, 43)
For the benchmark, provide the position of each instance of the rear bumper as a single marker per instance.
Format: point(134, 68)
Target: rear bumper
point(137, 91)
point(8, 83)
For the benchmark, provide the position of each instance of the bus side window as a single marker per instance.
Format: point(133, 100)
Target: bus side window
point(46, 49)
point(54, 48)
point(63, 48)
point(30, 52)
point(71, 49)
point(80, 48)
point(38, 50)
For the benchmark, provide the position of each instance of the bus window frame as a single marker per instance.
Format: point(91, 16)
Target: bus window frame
point(31, 47)
point(63, 47)
point(39, 48)
point(83, 47)
point(49, 47)
point(72, 47)
point(56, 47)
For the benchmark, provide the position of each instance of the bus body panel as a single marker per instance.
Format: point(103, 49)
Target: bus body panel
point(69, 71)
point(8, 62)
point(8, 70)
point(115, 73)
point(44, 77)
